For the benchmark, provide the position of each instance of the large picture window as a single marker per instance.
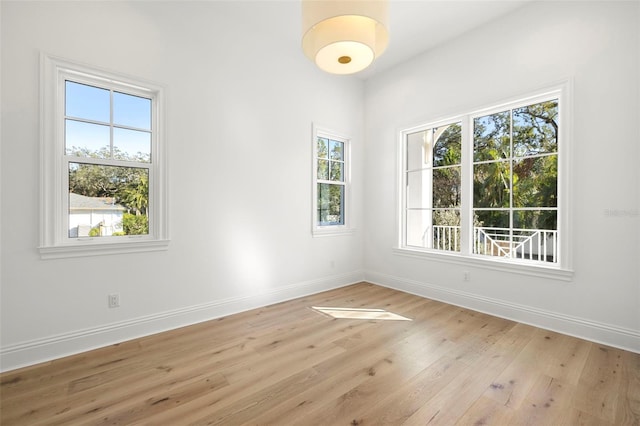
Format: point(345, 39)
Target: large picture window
point(486, 185)
point(102, 163)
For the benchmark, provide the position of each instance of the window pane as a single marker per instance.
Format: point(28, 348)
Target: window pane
point(535, 129)
point(446, 230)
point(491, 218)
point(491, 137)
point(132, 145)
point(419, 189)
point(322, 148)
point(87, 139)
point(535, 219)
point(446, 187)
point(336, 171)
point(417, 227)
point(437, 229)
point(491, 234)
point(448, 145)
point(330, 204)
point(323, 169)
point(132, 111)
point(417, 151)
point(336, 149)
point(536, 235)
point(107, 200)
point(535, 182)
point(87, 102)
point(491, 184)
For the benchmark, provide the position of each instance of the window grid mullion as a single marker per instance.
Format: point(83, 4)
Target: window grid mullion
point(331, 182)
point(107, 162)
point(466, 200)
point(511, 221)
point(111, 122)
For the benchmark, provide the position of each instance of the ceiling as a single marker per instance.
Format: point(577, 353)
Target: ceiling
point(416, 26)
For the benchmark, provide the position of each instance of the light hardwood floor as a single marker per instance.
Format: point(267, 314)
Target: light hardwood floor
point(288, 364)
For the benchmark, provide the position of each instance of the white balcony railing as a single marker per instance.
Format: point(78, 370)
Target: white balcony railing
point(528, 244)
point(446, 238)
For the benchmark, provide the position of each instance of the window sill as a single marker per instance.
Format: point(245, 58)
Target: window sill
point(537, 270)
point(89, 247)
point(332, 231)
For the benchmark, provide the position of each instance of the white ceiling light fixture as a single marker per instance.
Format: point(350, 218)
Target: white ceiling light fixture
point(344, 37)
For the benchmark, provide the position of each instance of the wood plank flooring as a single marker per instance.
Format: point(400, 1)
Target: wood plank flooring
point(288, 364)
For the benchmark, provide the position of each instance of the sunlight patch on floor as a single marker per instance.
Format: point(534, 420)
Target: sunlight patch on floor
point(359, 313)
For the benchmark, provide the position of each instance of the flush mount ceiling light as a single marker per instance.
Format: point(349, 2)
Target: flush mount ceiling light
point(344, 37)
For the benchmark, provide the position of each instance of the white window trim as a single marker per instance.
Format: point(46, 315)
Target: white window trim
point(331, 230)
point(54, 240)
point(563, 270)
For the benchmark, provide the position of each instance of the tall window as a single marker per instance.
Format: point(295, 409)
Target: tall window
point(433, 187)
point(515, 183)
point(108, 155)
point(331, 182)
point(105, 194)
point(486, 184)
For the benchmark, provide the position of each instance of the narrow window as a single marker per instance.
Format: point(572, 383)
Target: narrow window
point(331, 182)
point(433, 185)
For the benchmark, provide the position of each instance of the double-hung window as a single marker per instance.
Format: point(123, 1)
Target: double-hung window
point(330, 183)
point(433, 187)
point(487, 185)
point(102, 161)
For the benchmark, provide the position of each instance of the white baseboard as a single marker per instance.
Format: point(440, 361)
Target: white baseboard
point(607, 334)
point(58, 346)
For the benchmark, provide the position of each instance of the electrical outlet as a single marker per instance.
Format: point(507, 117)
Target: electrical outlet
point(466, 276)
point(114, 300)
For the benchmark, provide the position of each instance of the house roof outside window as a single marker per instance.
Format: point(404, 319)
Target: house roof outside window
point(82, 202)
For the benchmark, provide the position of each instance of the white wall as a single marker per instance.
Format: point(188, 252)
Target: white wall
point(240, 102)
point(597, 46)
point(241, 98)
